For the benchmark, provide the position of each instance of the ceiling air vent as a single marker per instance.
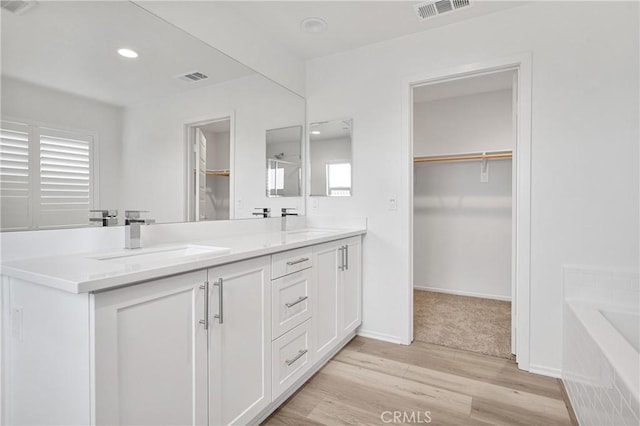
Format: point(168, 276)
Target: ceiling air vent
point(431, 9)
point(17, 6)
point(193, 76)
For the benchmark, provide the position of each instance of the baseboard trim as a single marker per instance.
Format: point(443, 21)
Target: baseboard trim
point(379, 336)
point(462, 293)
point(545, 371)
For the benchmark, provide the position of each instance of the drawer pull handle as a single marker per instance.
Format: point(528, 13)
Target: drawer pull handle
point(295, 262)
point(300, 300)
point(297, 357)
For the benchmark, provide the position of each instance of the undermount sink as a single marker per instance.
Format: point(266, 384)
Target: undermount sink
point(306, 233)
point(174, 253)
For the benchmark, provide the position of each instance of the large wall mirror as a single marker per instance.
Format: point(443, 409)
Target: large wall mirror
point(330, 158)
point(106, 106)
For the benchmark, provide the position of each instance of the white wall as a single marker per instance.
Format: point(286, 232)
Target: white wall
point(22, 100)
point(232, 34)
point(474, 123)
point(585, 190)
point(154, 150)
point(462, 227)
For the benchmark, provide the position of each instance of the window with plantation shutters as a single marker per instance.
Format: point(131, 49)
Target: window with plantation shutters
point(48, 179)
point(15, 185)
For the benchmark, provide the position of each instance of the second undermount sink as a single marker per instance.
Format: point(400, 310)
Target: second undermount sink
point(173, 253)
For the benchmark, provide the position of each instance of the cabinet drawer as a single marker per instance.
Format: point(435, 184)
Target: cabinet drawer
point(290, 301)
point(291, 357)
point(290, 261)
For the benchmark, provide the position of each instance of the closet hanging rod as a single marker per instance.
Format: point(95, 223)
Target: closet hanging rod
point(218, 173)
point(456, 157)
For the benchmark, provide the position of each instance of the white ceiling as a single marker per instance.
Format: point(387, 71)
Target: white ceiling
point(337, 129)
point(352, 24)
point(71, 46)
point(464, 87)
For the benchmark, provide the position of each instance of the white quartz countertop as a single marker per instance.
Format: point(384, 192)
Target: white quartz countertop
point(89, 272)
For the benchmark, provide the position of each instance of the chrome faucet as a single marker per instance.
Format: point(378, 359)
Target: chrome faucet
point(107, 217)
point(264, 212)
point(285, 213)
point(132, 223)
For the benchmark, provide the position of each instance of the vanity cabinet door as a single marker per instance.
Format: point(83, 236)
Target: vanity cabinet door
point(326, 264)
point(350, 288)
point(240, 341)
point(151, 353)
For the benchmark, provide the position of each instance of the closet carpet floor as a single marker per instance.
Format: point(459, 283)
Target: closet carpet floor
point(462, 322)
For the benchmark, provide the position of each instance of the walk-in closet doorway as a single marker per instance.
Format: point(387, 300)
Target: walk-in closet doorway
point(469, 216)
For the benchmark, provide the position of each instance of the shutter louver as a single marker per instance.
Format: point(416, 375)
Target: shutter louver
point(15, 186)
point(65, 178)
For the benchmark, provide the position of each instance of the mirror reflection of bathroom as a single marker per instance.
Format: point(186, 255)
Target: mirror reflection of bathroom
point(284, 159)
point(211, 178)
point(330, 157)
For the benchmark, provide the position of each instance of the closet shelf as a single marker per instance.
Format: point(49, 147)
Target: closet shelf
point(469, 156)
point(218, 173)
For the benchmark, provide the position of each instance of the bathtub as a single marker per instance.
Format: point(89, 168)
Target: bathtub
point(601, 363)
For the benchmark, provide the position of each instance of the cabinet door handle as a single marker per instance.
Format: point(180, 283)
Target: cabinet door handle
point(297, 357)
point(300, 300)
point(341, 266)
point(295, 262)
point(205, 321)
point(220, 314)
point(346, 256)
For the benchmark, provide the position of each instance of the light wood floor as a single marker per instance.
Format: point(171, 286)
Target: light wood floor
point(369, 377)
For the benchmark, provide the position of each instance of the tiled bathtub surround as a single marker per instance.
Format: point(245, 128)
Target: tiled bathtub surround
point(600, 366)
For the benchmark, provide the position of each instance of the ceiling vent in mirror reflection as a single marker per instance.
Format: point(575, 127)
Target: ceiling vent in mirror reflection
point(193, 76)
point(431, 9)
point(17, 6)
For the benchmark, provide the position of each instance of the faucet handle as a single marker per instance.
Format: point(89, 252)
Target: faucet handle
point(263, 211)
point(285, 211)
point(106, 213)
point(134, 214)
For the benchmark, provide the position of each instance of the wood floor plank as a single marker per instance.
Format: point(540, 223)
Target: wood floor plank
point(332, 411)
point(382, 400)
point(463, 385)
point(421, 393)
point(498, 371)
point(372, 362)
point(458, 388)
point(505, 414)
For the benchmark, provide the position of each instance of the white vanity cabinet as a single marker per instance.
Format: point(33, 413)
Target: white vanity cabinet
point(189, 349)
point(338, 292)
point(215, 346)
point(239, 341)
point(151, 353)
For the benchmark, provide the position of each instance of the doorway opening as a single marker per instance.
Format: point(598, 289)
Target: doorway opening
point(209, 188)
point(463, 192)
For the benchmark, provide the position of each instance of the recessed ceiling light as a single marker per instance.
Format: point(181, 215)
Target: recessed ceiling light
point(314, 25)
point(315, 132)
point(128, 53)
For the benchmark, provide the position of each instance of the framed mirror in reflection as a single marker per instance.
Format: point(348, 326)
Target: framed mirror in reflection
point(330, 158)
point(101, 103)
point(284, 162)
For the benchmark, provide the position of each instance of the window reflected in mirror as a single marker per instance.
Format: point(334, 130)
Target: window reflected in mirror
point(330, 158)
point(284, 160)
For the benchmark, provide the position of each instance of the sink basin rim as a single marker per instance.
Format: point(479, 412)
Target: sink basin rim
point(163, 252)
